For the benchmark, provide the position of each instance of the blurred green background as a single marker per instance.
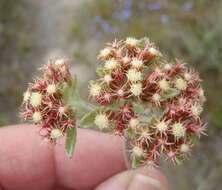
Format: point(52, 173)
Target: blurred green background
point(33, 31)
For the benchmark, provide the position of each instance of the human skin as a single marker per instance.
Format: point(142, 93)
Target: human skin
point(26, 163)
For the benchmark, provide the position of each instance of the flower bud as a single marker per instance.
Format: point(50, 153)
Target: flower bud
point(178, 130)
point(102, 121)
point(133, 75)
point(36, 99)
point(56, 134)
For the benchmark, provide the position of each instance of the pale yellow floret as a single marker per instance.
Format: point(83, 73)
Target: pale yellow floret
point(156, 97)
point(37, 117)
point(181, 84)
point(167, 66)
point(196, 110)
point(136, 89)
point(107, 78)
point(59, 63)
point(187, 76)
point(26, 96)
point(154, 52)
point(62, 110)
point(138, 151)
point(134, 122)
point(185, 148)
point(111, 64)
point(201, 95)
point(101, 121)
point(163, 84)
point(178, 130)
point(133, 75)
point(162, 126)
point(120, 92)
point(105, 52)
point(137, 63)
point(56, 133)
point(132, 41)
point(95, 89)
point(51, 89)
point(126, 59)
point(36, 99)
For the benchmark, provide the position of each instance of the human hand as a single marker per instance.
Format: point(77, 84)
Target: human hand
point(28, 164)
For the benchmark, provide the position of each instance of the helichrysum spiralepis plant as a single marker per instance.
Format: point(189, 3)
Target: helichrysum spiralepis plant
point(155, 105)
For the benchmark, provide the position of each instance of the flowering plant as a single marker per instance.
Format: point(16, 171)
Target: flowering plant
point(155, 105)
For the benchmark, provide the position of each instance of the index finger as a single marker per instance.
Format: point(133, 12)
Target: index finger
point(26, 164)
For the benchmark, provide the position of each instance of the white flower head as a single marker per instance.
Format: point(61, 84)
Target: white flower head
point(26, 96)
point(132, 41)
point(95, 89)
point(107, 78)
point(156, 97)
point(59, 63)
point(62, 110)
point(167, 66)
point(136, 63)
point(51, 89)
point(134, 122)
point(56, 134)
point(111, 64)
point(133, 75)
point(178, 130)
point(104, 52)
point(164, 84)
point(120, 92)
point(154, 52)
point(136, 89)
point(162, 126)
point(187, 76)
point(185, 148)
point(126, 59)
point(181, 84)
point(101, 121)
point(196, 110)
point(37, 117)
point(138, 151)
point(36, 99)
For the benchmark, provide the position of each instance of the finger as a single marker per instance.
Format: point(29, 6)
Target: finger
point(27, 164)
point(97, 156)
point(142, 178)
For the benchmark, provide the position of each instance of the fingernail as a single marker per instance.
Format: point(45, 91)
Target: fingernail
point(142, 182)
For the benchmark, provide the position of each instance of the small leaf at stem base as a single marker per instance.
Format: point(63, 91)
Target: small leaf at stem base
point(70, 141)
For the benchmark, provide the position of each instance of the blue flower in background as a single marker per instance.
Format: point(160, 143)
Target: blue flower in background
point(123, 15)
point(164, 19)
point(128, 4)
point(105, 25)
point(187, 6)
point(154, 6)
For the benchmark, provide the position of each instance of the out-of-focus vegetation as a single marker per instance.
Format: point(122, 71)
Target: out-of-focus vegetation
point(14, 46)
point(188, 30)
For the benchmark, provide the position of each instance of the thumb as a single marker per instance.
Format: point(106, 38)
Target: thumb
point(141, 178)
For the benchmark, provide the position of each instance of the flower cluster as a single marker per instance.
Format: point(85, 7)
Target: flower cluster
point(154, 103)
point(43, 102)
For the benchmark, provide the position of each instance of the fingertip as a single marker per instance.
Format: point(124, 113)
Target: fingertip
point(141, 178)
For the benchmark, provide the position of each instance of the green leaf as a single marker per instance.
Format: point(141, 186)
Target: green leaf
point(135, 162)
point(101, 72)
point(171, 93)
point(130, 133)
point(70, 141)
